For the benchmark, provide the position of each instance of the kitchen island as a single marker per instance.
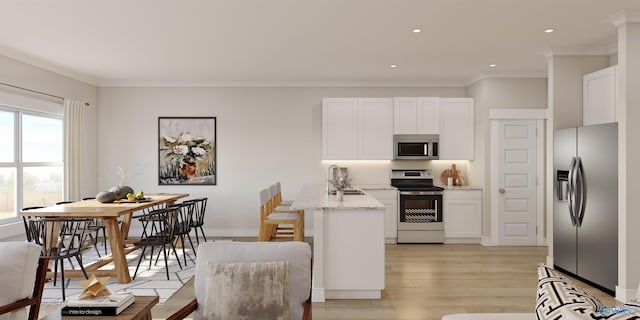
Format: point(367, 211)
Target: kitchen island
point(348, 244)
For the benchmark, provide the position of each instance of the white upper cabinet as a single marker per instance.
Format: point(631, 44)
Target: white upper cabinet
point(339, 128)
point(457, 136)
point(416, 115)
point(375, 128)
point(599, 97)
point(357, 128)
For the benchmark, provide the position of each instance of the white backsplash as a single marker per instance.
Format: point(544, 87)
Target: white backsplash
point(364, 172)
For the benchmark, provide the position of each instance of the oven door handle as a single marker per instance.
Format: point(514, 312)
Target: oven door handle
point(420, 193)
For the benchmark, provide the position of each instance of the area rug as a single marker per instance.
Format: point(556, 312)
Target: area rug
point(147, 282)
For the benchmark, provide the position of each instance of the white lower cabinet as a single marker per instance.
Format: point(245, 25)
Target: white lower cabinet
point(390, 200)
point(462, 215)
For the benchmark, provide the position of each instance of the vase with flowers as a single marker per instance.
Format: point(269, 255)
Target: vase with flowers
point(340, 184)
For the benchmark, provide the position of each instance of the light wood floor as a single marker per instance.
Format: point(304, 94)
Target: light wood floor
point(428, 281)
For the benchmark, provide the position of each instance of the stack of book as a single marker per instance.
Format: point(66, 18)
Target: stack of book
point(110, 305)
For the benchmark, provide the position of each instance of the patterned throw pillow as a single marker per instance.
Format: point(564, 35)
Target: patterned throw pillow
point(556, 292)
point(250, 290)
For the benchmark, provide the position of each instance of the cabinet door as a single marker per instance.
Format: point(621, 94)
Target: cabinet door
point(416, 115)
point(390, 200)
point(340, 129)
point(404, 115)
point(428, 115)
point(462, 214)
point(457, 136)
point(599, 97)
point(375, 129)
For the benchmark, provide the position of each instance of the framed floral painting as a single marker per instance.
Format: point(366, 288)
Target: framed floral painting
point(187, 150)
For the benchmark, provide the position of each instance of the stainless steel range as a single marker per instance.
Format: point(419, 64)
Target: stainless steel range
point(419, 207)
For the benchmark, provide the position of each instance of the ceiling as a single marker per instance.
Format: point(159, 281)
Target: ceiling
point(301, 42)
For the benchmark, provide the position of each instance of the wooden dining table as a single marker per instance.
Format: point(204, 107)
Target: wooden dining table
point(117, 233)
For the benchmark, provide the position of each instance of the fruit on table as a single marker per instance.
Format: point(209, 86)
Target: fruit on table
point(131, 197)
point(140, 195)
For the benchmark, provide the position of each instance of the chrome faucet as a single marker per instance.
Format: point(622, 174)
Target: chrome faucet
point(330, 176)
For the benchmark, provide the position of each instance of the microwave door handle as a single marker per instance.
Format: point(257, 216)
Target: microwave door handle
point(425, 151)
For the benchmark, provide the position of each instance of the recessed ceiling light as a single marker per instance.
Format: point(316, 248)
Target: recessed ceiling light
point(416, 30)
point(493, 65)
point(393, 66)
point(549, 30)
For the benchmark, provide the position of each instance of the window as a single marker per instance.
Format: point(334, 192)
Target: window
point(31, 161)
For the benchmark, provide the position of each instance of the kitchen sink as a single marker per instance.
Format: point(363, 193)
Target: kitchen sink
point(349, 192)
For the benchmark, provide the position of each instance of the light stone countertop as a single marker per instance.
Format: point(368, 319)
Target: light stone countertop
point(314, 197)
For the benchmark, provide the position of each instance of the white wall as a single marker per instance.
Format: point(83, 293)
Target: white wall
point(264, 135)
point(498, 94)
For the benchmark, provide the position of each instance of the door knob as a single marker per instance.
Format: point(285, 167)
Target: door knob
point(501, 190)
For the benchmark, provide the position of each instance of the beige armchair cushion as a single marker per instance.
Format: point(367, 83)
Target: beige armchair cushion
point(247, 291)
point(298, 254)
point(18, 265)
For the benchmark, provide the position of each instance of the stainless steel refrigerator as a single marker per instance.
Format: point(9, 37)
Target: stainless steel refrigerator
point(585, 217)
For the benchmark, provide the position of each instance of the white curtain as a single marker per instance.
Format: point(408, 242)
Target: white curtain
point(73, 133)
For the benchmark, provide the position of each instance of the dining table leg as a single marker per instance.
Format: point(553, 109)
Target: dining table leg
point(117, 250)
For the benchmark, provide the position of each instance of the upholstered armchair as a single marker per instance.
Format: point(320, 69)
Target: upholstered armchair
point(22, 277)
point(251, 280)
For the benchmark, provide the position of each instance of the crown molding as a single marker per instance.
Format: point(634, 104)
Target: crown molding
point(578, 51)
point(623, 17)
point(528, 75)
point(281, 84)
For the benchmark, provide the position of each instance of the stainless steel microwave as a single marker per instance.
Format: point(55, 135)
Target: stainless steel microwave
point(415, 146)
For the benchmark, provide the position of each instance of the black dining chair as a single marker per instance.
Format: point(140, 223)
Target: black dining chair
point(197, 220)
point(93, 229)
point(182, 226)
point(158, 231)
point(58, 246)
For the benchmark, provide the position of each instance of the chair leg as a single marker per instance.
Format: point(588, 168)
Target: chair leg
point(175, 253)
point(104, 239)
point(79, 258)
point(191, 242)
point(203, 236)
point(95, 242)
point(184, 252)
point(64, 298)
point(196, 230)
point(166, 263)
point(55, 272)
point(139, 261)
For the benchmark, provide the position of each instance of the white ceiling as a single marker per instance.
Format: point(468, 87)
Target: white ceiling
point(301, 42)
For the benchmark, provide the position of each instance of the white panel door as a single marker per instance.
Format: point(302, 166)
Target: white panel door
point(517, 182)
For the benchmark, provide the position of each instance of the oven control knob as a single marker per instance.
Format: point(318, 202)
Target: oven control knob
point(501, 190)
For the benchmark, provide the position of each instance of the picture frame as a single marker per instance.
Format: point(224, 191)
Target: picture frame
point(187, 151)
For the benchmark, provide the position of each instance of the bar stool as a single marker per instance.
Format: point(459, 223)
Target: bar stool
point(278, 225)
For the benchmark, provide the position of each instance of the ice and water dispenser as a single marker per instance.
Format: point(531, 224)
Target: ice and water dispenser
point(562, 184)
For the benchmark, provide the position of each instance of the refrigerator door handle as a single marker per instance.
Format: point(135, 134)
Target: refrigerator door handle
point(571, 195)
point(582, 191)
